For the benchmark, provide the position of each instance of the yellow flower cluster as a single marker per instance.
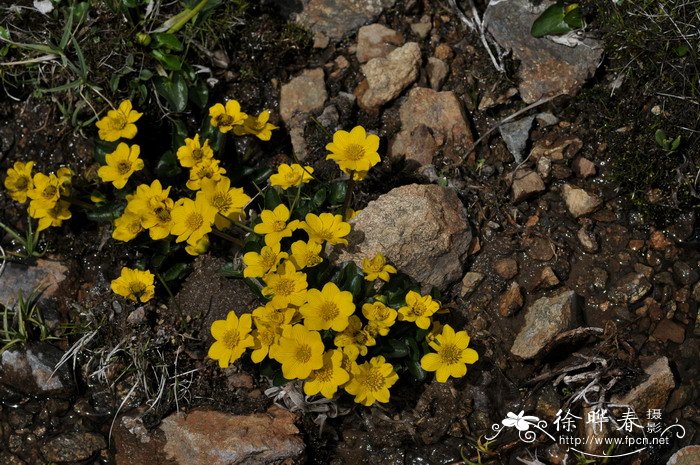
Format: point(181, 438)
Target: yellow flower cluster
point(48, 194)
point(355, 152)
point(124, 160)
point(229, 116)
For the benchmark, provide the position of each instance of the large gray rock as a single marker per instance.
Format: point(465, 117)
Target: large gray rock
point(304, 94)
point(544, 320)
point(653, 392)
point(45, 277)
point(337, 18)
point(386, 77)
point(208, 437)
point(546, 68)
point(422, 229)
point(430, 122)
point(689, 455)
point(29, 370)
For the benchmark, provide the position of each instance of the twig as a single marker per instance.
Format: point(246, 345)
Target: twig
point(476, 25)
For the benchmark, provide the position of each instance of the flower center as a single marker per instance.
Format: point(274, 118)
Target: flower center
point(163, 214)
point(224, 120)
point(22, 183)
point(222, 202)
point(205, 172)
point(292, 177)
point(373, 379)
point(303, 353)
point(123, 167)
point(135, 227)
point(325, 234)
point(49, 192)
point(194, 221)
point(285, 286)
point(231, 339)
point(354, 152)
point(329, 311)
point(118, 122)
point(279, 225)
point(324, 374)
point(137, 288)
point(418, 309)
point(197, 154)
point(361, 338)
point(268, 258)
point(450, 354)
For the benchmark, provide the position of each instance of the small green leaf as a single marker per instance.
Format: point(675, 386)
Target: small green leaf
point(106, 213)
point(229, 270)
point(272, 199)
point(338, 192)
point(676, 143)
point(166, 41)
point(168, 166)
point(551, 22)
point(416, 370)
point(318, 198)
point(169, 62)
point(660, 137)
point(394, 348)
point(682, 50)
point(573, 17)
point(145, 74)
point(199, 93)
point(179, 134)
point(176, 271)
point(173, 90)
point(102, 148)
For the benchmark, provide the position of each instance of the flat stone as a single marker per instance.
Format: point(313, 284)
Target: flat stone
point(375, 41)
point(546, 68)
point(73, 447)
point(668, 330)
point(583, 167)
point(421, 229)
point(338, 18)
point(538, 248)
point(469, 283)
point(547, 278)
point(515, 134)
point(437, 71)
point(208, 437)
point(45, 277)
point(304, 94)
point(430, 122)
point(578, 201)
point(653, 392)
point(29, 370)
point(506, 268)
point(526, 183)
point(387, 77)
point(556, 147)
point(630, 289)
point(544, 320)
point(689, 455)
point(423, 28)
point(511, 301)
point(587, 239)
point(659, 241)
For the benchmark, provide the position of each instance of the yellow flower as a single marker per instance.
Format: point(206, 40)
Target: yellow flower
point(326, 227)
point(271, 316)
point(329, 377)
point(371, 381)
point(119, 123)
point(285, 286)
point(145, 197)
point(377, 268)
point(274, 224)
point(19, 180)
point(256, 126)
point(135, 285)
point(352, 213)
point(300, 351)
point(328, 308)
point(207, 169)
point(264, 337)
point(121, 164)
point(65, 179)
point(354, 340)
point(158, 219)
point(380, 317)
point(193, 153)
point(306, 254)
point(452, 355)
point(435, 331)
point(225, 118)
point(192, 219)
point(127, 226)
point(198, 248)
point(232, 338)
point(53, 216)
point(229, 202)
point(45, 193)
point(258, 265)
point(418, 309)
point(291, 176)
point(354, 151)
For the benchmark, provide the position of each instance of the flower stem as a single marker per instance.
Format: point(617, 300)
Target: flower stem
point(228, 237)
point(348, 195)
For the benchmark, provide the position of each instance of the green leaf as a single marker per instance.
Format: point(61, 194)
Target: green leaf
point(174, 91)
point(260, 176)
point(660, 137)
point(338, 192)
point(551, 22)
point(229, 270)
point(199, 93)
point(394, 348)
point(573, 17)
point(106, 213)
point(102, 148)
point(416, 370)
point(318, 198)
point(166, 41)
point(676, 142)
point(272, 199)
point(4, 34)
point(176, 271)
point(145, 74)
point(168, 166)
point(169, 62)
point(179, 134)
point(682, 50)
point(356, 286)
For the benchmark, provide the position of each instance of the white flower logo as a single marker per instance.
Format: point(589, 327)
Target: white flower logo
point(521, 421)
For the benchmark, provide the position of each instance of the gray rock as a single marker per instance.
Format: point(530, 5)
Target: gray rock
point(515, 135)
point(544, 167)
point(423, 28)
point(587, 240)
point(578, 201)
point(437, 71)
point(630, 289)
point(137, 317)
point(544, 320)
point(208, 437)
point(422, 229)
point(29, 370)
point(546, 68)
point(684, 273)
point(73, 447)
point(338, 18)
point(689, 455)
point(526, 183)
point(305, 93)
point(431, 121)
point(469, 283)
point(387, 77)
point(653, 392)
point(375, 41)
point(45, 277)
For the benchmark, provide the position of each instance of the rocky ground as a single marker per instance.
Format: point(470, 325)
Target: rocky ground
point(495, 188)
